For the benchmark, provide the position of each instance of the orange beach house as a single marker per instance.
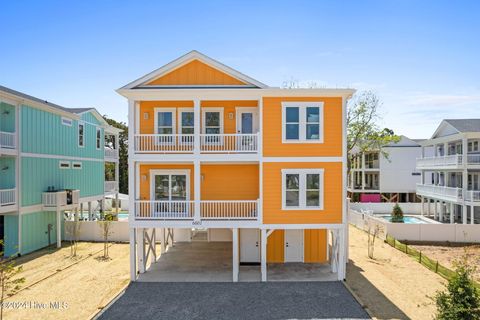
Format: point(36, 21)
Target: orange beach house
point(219, 156)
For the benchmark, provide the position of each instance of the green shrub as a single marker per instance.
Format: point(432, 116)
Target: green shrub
point(397, 214)
point(461, 300)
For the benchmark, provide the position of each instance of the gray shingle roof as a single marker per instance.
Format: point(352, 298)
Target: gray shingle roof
point(465, 125)
point(29, 97)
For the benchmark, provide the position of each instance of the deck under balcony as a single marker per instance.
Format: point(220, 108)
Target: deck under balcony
point(8, 200)
point(8, 142)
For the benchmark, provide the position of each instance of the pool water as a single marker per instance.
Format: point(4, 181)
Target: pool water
point(406, 219)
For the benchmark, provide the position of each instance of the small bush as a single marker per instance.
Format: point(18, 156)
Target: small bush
point(397, 214)
point(461, 300)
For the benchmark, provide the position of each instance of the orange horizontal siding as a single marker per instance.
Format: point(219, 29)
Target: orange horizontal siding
point(230, 182)
point(272, 129)
point(196, 73)
point(272, 196)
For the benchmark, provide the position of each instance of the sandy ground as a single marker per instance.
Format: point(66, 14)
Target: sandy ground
point(393, 286)
point(447, 255)
point(81, 289)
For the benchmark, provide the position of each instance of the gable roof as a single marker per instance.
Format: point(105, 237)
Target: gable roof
point(187, 58)
point(453, 126)
point(76, 112)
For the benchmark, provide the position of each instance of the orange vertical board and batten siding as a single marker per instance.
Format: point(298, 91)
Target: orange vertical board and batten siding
point(332, 129)
point(314, 246)
point(147, 112)
point(196, 73)
point(272, 200)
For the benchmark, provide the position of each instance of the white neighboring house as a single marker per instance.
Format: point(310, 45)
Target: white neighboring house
point(375, 177)
point(451, 177)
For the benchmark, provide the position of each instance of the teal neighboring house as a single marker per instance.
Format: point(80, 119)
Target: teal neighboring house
point(52, 160)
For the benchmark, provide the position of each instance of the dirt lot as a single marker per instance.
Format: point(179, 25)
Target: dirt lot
point(393, 286)
point(447, 255)
point(81, 285)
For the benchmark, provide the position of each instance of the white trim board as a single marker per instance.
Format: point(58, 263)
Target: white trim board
point(59, 157)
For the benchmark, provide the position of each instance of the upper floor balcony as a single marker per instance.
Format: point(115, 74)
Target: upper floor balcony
point(8, 142)
point(111, 186)
point(454, 161)
point(209, 143)
point(8, 200)
point(111, 154)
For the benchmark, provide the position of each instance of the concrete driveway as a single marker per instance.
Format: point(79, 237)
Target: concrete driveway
point(244, 300)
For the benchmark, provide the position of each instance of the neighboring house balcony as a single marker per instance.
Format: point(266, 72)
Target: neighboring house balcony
point(472, 195)
point(440, 192)
point(111, 154)
point(60, 200)
point(111, 186)
point(227, 143)
point(197, 211)
point(8, 200)
point(454, 161)
point(8, 142)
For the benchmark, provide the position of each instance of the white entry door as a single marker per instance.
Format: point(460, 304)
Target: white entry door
point(249, 245)
point(294, 245)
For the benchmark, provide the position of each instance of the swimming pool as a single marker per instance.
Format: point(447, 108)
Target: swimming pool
point(406, 219)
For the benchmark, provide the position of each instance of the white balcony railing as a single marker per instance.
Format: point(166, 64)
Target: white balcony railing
point(60, 198)
point(111, 186)
point(472, 195)
point(229, 210)
point(7, 140)
point(184, 143)
point(7, 197)
point(229, 143)
point(164, 210)
point(111, 153)
point(441, 161)
point(164, 143)
point(185, 210)
point(473, 159)
point(428, 190)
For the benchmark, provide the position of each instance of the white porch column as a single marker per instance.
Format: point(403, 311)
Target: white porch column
point(423, 206)
point(472, 214)
point(133, 255)
point(59, 228)
point(452, 209)
point(141, 249)
point(464, 214)
point(117, 207)
point(428, 207)
point(90, 211)
point(263, 253)
point(197, 189)
point(235, 255)
point(341, 255)
point(81, 210)
point(363, 170)
point(435, 209)
point(442, 210)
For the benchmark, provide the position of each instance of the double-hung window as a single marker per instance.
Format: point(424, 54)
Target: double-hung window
point(212, 124)
point(187, 123)
point(99, 138)
point(81, 134)
point(302, 189)
point(302, 122)
point(165, 125)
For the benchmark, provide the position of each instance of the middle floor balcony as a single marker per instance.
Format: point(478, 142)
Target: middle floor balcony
point(197, 210)
point(228, 143)
point(440, 192)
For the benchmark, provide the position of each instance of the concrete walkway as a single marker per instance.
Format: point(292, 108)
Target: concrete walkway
point(270, 300)
point(212, 262)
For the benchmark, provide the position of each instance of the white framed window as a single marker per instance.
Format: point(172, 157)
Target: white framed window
point(302, 189)
point(64, 164)
point(186, 125)
point(473, 146)
point(67, 122)
point(212, 120)
point(165, 120)
point(302, 122)
point(99, 138)
point(81, 134)
point(77, 165)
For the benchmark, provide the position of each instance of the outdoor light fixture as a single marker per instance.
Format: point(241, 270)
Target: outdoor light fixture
point(5, 168)
point(6, 112)
point(230, 115)
point(145, 115)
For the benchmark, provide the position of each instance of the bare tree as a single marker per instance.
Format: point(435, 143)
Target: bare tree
point(9, 281)
point(373, 231)
point(72, 229)
point(105, 227)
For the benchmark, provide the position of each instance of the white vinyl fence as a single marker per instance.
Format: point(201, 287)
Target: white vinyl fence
point(91, 231)
point(386, 207)
point(427, 232)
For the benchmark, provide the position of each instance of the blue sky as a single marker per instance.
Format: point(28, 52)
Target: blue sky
point(420, 57)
